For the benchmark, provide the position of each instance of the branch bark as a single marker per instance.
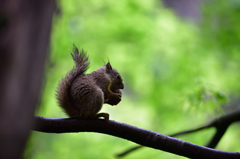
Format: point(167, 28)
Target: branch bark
point(221, 124)
point(141, 136)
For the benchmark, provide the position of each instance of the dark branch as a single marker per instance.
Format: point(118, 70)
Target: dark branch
point(217, 137)
point(221, 124)
point(134, 134)
point(173, 135)
point(129, 151)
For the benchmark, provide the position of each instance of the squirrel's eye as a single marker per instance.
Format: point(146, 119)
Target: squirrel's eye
point(118, 77)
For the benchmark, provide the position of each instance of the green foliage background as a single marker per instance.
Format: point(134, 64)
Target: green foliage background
point(177, 74)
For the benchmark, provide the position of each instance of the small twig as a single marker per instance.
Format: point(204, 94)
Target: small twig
point(129, 151)
point(222, 124)
point(217, 137)
point(140, 136)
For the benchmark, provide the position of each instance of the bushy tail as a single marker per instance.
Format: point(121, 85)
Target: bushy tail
point(81, 60)
point(64, 88)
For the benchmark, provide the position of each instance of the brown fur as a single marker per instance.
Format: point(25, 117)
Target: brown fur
point(82, 95)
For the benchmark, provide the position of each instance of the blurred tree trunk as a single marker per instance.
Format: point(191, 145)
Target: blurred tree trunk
point(24, 38)
point(189, 9)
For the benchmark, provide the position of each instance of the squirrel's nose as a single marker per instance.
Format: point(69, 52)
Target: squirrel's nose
point(121, 86)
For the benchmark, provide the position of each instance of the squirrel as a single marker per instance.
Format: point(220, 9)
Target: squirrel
point(82, 95)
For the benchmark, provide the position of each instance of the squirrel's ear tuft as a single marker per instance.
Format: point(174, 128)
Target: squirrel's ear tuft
point(108, 66)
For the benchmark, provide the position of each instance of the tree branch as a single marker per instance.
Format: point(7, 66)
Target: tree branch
point(221, 124)
point(141, 136)
point(173, 135)
point(217, 137)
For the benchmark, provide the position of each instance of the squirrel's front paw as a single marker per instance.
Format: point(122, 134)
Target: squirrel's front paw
point(114, 98)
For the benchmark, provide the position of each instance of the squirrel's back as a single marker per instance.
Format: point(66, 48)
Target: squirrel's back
point(64, 88)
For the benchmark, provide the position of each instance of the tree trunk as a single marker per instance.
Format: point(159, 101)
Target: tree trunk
point(24, 38)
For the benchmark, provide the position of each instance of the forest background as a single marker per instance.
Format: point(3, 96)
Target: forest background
point(179, 73)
